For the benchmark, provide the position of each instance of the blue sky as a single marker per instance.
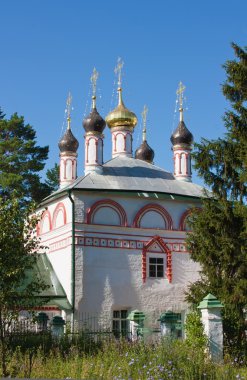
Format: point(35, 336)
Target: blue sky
point(50, 47)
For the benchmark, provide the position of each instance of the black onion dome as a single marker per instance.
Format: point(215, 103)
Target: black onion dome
point(181, 135)
point(144, 152)
point(68, 142)
point(94, 122)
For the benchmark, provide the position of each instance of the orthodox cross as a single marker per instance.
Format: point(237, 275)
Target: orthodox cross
point(144, 122)
point(118, 71)
point(68, 108)
point(94, 78)
point(180, 93)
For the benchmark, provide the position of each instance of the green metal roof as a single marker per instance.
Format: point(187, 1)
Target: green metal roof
point(54, 293)
point(209, 302)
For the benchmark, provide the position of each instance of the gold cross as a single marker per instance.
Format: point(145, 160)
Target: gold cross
point(144, 116)
point(94, 78)
point(144, 121)
point(68, 108)
point(118, 70)
point(68, 105)
point(180, 94)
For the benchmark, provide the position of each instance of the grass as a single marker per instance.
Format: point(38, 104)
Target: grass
point(123, 360)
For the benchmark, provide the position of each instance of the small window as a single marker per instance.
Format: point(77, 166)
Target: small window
point(120, 323)
point(156, 267)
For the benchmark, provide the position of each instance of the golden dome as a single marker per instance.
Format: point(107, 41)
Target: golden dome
point(121, 116)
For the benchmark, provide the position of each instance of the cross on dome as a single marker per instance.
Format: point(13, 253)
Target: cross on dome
point(68, 109)
point(118, 70)
point(144, 122)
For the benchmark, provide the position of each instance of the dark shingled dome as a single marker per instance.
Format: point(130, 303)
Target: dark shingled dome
point(144, 152)
point(181, 135)
point(94, 122)
point(68, 142)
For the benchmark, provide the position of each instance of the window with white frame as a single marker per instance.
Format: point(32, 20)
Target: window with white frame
point(156, 266)
point(120, 323)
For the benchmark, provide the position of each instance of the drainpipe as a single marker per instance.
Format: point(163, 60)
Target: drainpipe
point(72, 260)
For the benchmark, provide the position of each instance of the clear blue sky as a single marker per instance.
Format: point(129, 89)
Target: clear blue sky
point(49, 47)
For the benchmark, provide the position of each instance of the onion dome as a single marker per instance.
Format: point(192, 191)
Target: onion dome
point(94, 122)
point(181, 135)
point(145, 152)
point(121, 116)
point(68, 142)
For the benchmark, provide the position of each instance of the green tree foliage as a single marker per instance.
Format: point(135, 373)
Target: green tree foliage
point(219, 231)
point(21, 160)
point(195, 337)
point(52, 178)
point(18, 255)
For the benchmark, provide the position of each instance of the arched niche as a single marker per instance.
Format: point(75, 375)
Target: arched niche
point(153, 216)
point(183, 224)
point(45, 222)
point(59, 216)
point(107, 212)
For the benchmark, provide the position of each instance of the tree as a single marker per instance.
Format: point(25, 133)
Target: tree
point(52, 178)
point(21, 159)
point(18, 255)
point(219, 230)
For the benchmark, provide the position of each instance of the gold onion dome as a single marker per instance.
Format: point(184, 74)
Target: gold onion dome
point(121, 116)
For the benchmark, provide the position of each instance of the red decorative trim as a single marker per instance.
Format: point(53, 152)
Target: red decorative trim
point(86, 150)
point(153, 207)
point(60, 244)
point(157, 240)
point(184, 216)
point(129, 244)
point(125, 136)
point(107, 203)
point(73, 169)
point(179, 163)
point(59, 206)
point(47, 308)
point(45, 214)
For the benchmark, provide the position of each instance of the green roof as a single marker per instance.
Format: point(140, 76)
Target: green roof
point(209, 302)
point(54, 292)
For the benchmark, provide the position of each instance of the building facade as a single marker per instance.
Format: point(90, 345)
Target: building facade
point(115, 237)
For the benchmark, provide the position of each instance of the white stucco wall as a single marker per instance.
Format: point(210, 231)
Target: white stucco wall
point(108, 256)
point(57, 238)
point(110, 278)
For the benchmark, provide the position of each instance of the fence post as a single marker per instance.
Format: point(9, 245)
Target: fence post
point(136, 319)
point(57, 326)
point(212, 322)
point(170, 324)
point(42, 319)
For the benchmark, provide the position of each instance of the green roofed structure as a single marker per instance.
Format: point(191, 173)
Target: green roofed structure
point(54, 293)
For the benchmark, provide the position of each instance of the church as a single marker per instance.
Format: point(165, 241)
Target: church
point(115, 236)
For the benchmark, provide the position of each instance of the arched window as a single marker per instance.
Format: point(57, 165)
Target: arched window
point(107, 212)
point(153, 216)
point(156, 260)
point(59, 216)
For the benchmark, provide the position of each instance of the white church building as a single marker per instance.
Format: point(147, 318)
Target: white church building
point(115, 236)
